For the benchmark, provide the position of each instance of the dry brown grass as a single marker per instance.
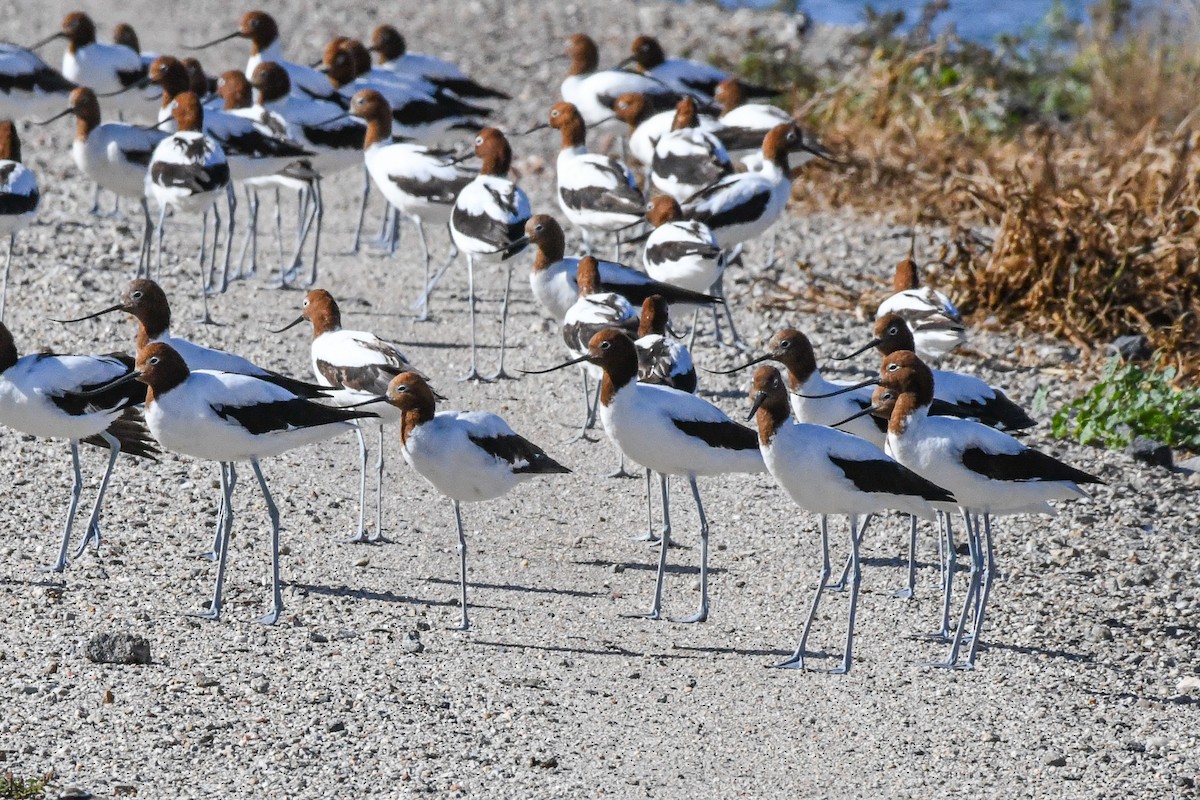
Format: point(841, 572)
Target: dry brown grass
point(1086, 229)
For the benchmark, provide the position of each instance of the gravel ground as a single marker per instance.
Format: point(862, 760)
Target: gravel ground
point(1086, 686)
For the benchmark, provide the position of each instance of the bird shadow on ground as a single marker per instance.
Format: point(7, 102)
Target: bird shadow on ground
point(364, 594)
point(673, 569)
point(1026, 650)
point(744, 651)
point(512, 587)
point(612, 650)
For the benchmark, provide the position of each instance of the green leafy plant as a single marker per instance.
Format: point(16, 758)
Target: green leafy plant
point(18, 788)
point(1129, 401)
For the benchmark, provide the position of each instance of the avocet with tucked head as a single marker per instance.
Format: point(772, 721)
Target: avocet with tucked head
point(646, 127)
point(553, 276)
point(187, 172)
point(685, 253)
point(661, 359)
point(959, 394)
point(670, 432)
point(39, 396)
point(826, 471)
point(469, 456)
point(262, 32)
point(989, 472)
point(687, 158)
point(356, 366)
point(392, 51)
point(594, 91)
point(105, 68)
point(487, 221)
point(681, 74)
point(742, 206)
point(226, 417)
point(596, 192)
point(937, 327)
point(19, 196)
point(29, 87)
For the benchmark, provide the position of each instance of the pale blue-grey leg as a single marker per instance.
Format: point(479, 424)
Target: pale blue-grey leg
point(473, 372)
point(360, 537)
point(12, 237)
point(735, 338)
point(231, 201)
point(162, 218)
point(272, 616)
point(796, 661)
point(92, 532)
point(95, 209)
point(692, 337)
point(207, 320)
point(951, 661)
point(316, 220)
point(147, 242)
point(379, 537)
point(655, 611)
point(464, 624)
point(224, 529)
point(620, 471)
point(951, 568)
point(989, 575)
point(60, 563)
point(279, 222)
point(702, 613)
point(362, 209)
point(250, 242)
point(500, 374)
point(840, 584)
point(589, 419)
point(227, 469)
point(648, 536)
point(906, 592)
point(855, 583)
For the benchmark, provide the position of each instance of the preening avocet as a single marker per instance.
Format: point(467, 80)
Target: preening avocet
point(262, 31)
point(937, 327)
point(107, 69)
point(671, 432)
point(687, 158)
point(392, 51)
point(29, 87)
point(38, 396)
point(594, 311)
point(125, 35)
point(469, 456)
point(114, 155)
point(487, 221)
point(958, 394)
point(19, 196)
point(646, 127)
point(187, 172)
point(420, 183)
point(553, 276)
point(226, 417)
point(681, 74)
point(989, 472)
point(685, 253)
point(595, 192)
point(356, 366)
point(594, 91)
point(827, 471)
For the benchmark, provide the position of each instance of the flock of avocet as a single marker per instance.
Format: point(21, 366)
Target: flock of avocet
point(918, 440)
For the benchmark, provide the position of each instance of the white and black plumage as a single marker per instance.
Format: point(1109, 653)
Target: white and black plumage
point(671, 432)
point(687, 158)
point(936, 325)
point(187, 172)
point(107, 69)
point(681, 74)
point(389, 45)
point(594, 91)
point(29, 87)
point(468, 456)
point(487, 221)
point(595, 192)
point(39, 395)
point(989, 472)
point(19, 197)
point(827, 471)
point(646, 127)
point(553, 275)
point(661, 359)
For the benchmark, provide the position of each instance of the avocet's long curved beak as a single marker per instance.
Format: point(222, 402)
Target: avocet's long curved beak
point(57, 116)
point(102, 312)
point(47, 40)
point(625, 62)
point(873, 343)
point(224, 38)
point(380, 399)
point(852, 417)
point(541, 126)
point(138, 84)
point(852, 387)
point(291, 325)
point(758, 360)
point(524, 240)
point(758, 401)
point(563, 365)
point(128, 377)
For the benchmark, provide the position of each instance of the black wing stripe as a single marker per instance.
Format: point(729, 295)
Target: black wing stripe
point(282, 415)
point(890, 477)
point(1026, 465)
point(524, 455)
point(727, 435)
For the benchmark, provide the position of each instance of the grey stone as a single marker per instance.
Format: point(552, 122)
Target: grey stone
point(1151, 452)
point(1132, 347)
point(117, 648)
